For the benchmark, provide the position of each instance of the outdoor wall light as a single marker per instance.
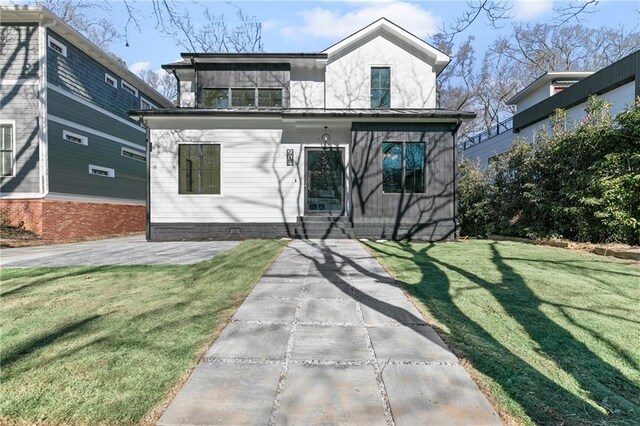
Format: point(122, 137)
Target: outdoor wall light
point(325, 138)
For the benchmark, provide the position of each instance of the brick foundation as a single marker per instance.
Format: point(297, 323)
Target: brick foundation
point(64, 220)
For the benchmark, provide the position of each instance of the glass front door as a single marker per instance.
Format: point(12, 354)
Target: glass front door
point(324, 181)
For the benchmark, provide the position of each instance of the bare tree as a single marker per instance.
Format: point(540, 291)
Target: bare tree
point(495, 11)
point(84, 16)
point(162, 82)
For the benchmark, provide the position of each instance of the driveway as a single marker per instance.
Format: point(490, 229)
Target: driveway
point(134, 250)
point(326, 337)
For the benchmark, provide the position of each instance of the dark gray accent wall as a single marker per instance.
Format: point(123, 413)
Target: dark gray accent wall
point(69, 166)
point(20, 102)
point(64, 107)
point(617, 74)
point(243, 75)
point(84, 76)
point(430, 215)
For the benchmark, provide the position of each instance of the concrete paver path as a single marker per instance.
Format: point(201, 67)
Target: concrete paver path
point(326, 337)
point(133, 250)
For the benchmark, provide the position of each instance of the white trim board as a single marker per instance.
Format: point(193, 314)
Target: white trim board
point(112, 138)
point(92, 105)
point(59, 196)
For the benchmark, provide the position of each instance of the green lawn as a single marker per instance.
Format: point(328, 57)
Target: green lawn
point(107, 344)
point(552, 335)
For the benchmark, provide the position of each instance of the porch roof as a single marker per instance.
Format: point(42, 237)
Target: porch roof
point(301, 113)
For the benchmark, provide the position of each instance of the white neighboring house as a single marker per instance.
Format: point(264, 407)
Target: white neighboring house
point(347, 142)
point(618, 83)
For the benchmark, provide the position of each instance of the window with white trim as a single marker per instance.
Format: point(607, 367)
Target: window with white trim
point(136, 155)
point(7, 138)
point(57, 46)
point(101, 171)
point(129, 88)
point(75, 138)
point(145, 104)
point(111, 80)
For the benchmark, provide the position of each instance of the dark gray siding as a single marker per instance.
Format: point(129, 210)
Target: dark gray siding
point(429, 215)
point(64, 107)
point(69, 167)
point(621, 72)
point(19, 53)
point(244, 75)
point(83, 76)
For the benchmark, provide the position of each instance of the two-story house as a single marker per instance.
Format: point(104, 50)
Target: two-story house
point(618, 83)
point(343, 143)
point(73, 162)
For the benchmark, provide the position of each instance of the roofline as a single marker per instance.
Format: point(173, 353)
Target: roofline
point(254, 55)
point(544, 78)
point(44, 16)
point(304, 113)
point(383, 19)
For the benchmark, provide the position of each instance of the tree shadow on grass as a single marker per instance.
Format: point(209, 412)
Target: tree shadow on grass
point(543, 400)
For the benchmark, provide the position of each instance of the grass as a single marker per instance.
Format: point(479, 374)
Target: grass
point(553, 336)
point(107, 345)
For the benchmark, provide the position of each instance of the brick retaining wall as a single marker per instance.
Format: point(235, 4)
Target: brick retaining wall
point(63, 220)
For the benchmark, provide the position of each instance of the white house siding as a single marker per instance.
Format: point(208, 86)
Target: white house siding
point(534, 97)
point(620, 98)
point(306, 88)
point(348, 76)
point(256, 186)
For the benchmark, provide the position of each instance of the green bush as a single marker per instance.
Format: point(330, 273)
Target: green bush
point(581, 183)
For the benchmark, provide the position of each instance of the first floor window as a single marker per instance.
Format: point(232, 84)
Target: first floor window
point(403, 167)
point(199, 168)
point(6, 149)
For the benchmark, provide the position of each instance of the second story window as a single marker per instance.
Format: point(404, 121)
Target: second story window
point(243, 97)
point(270, 98)
point(380, 87)
point(216, 98)
point(129, 88)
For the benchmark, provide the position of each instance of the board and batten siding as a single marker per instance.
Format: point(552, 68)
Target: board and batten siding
point(429, 215)
point(256, 184)
point(348, 75)
point(20, 104)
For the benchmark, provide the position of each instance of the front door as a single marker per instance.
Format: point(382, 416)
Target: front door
point(324, 181)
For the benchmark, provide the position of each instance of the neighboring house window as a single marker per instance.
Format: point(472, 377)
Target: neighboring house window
point(136, 155)
point(243, 97)
point(145, 104)
point(216, 98)
point(129, 88)
point(199, 168)
point(101, 171)
point(6, 149)
point(110, 80)
point(270, 98)
point(380, 87)
point(75, 138)
point(403, 167)
point(57, 46)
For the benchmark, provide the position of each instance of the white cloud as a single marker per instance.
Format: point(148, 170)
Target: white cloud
point(326, 23)
point(525, 10)
point(139, 66)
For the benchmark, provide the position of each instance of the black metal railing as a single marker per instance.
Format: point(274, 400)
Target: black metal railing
point(498, 129)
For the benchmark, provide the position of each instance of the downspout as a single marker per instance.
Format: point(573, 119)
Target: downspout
point(178, 102)
point(147, 202)
point(455, 189)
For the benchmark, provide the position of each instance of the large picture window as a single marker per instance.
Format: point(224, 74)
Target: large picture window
point(403, 167)
point(242, 97)
point(6, 149)
point(199, 168)
point(380, 87)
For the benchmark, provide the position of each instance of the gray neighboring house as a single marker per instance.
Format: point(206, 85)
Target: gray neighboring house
point(619, 83)
point(73, 162)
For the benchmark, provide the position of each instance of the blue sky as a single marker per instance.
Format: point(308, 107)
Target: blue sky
point(308, 26)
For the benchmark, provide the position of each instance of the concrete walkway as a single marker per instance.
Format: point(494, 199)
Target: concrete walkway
point(327, 338)
point(134, 250)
